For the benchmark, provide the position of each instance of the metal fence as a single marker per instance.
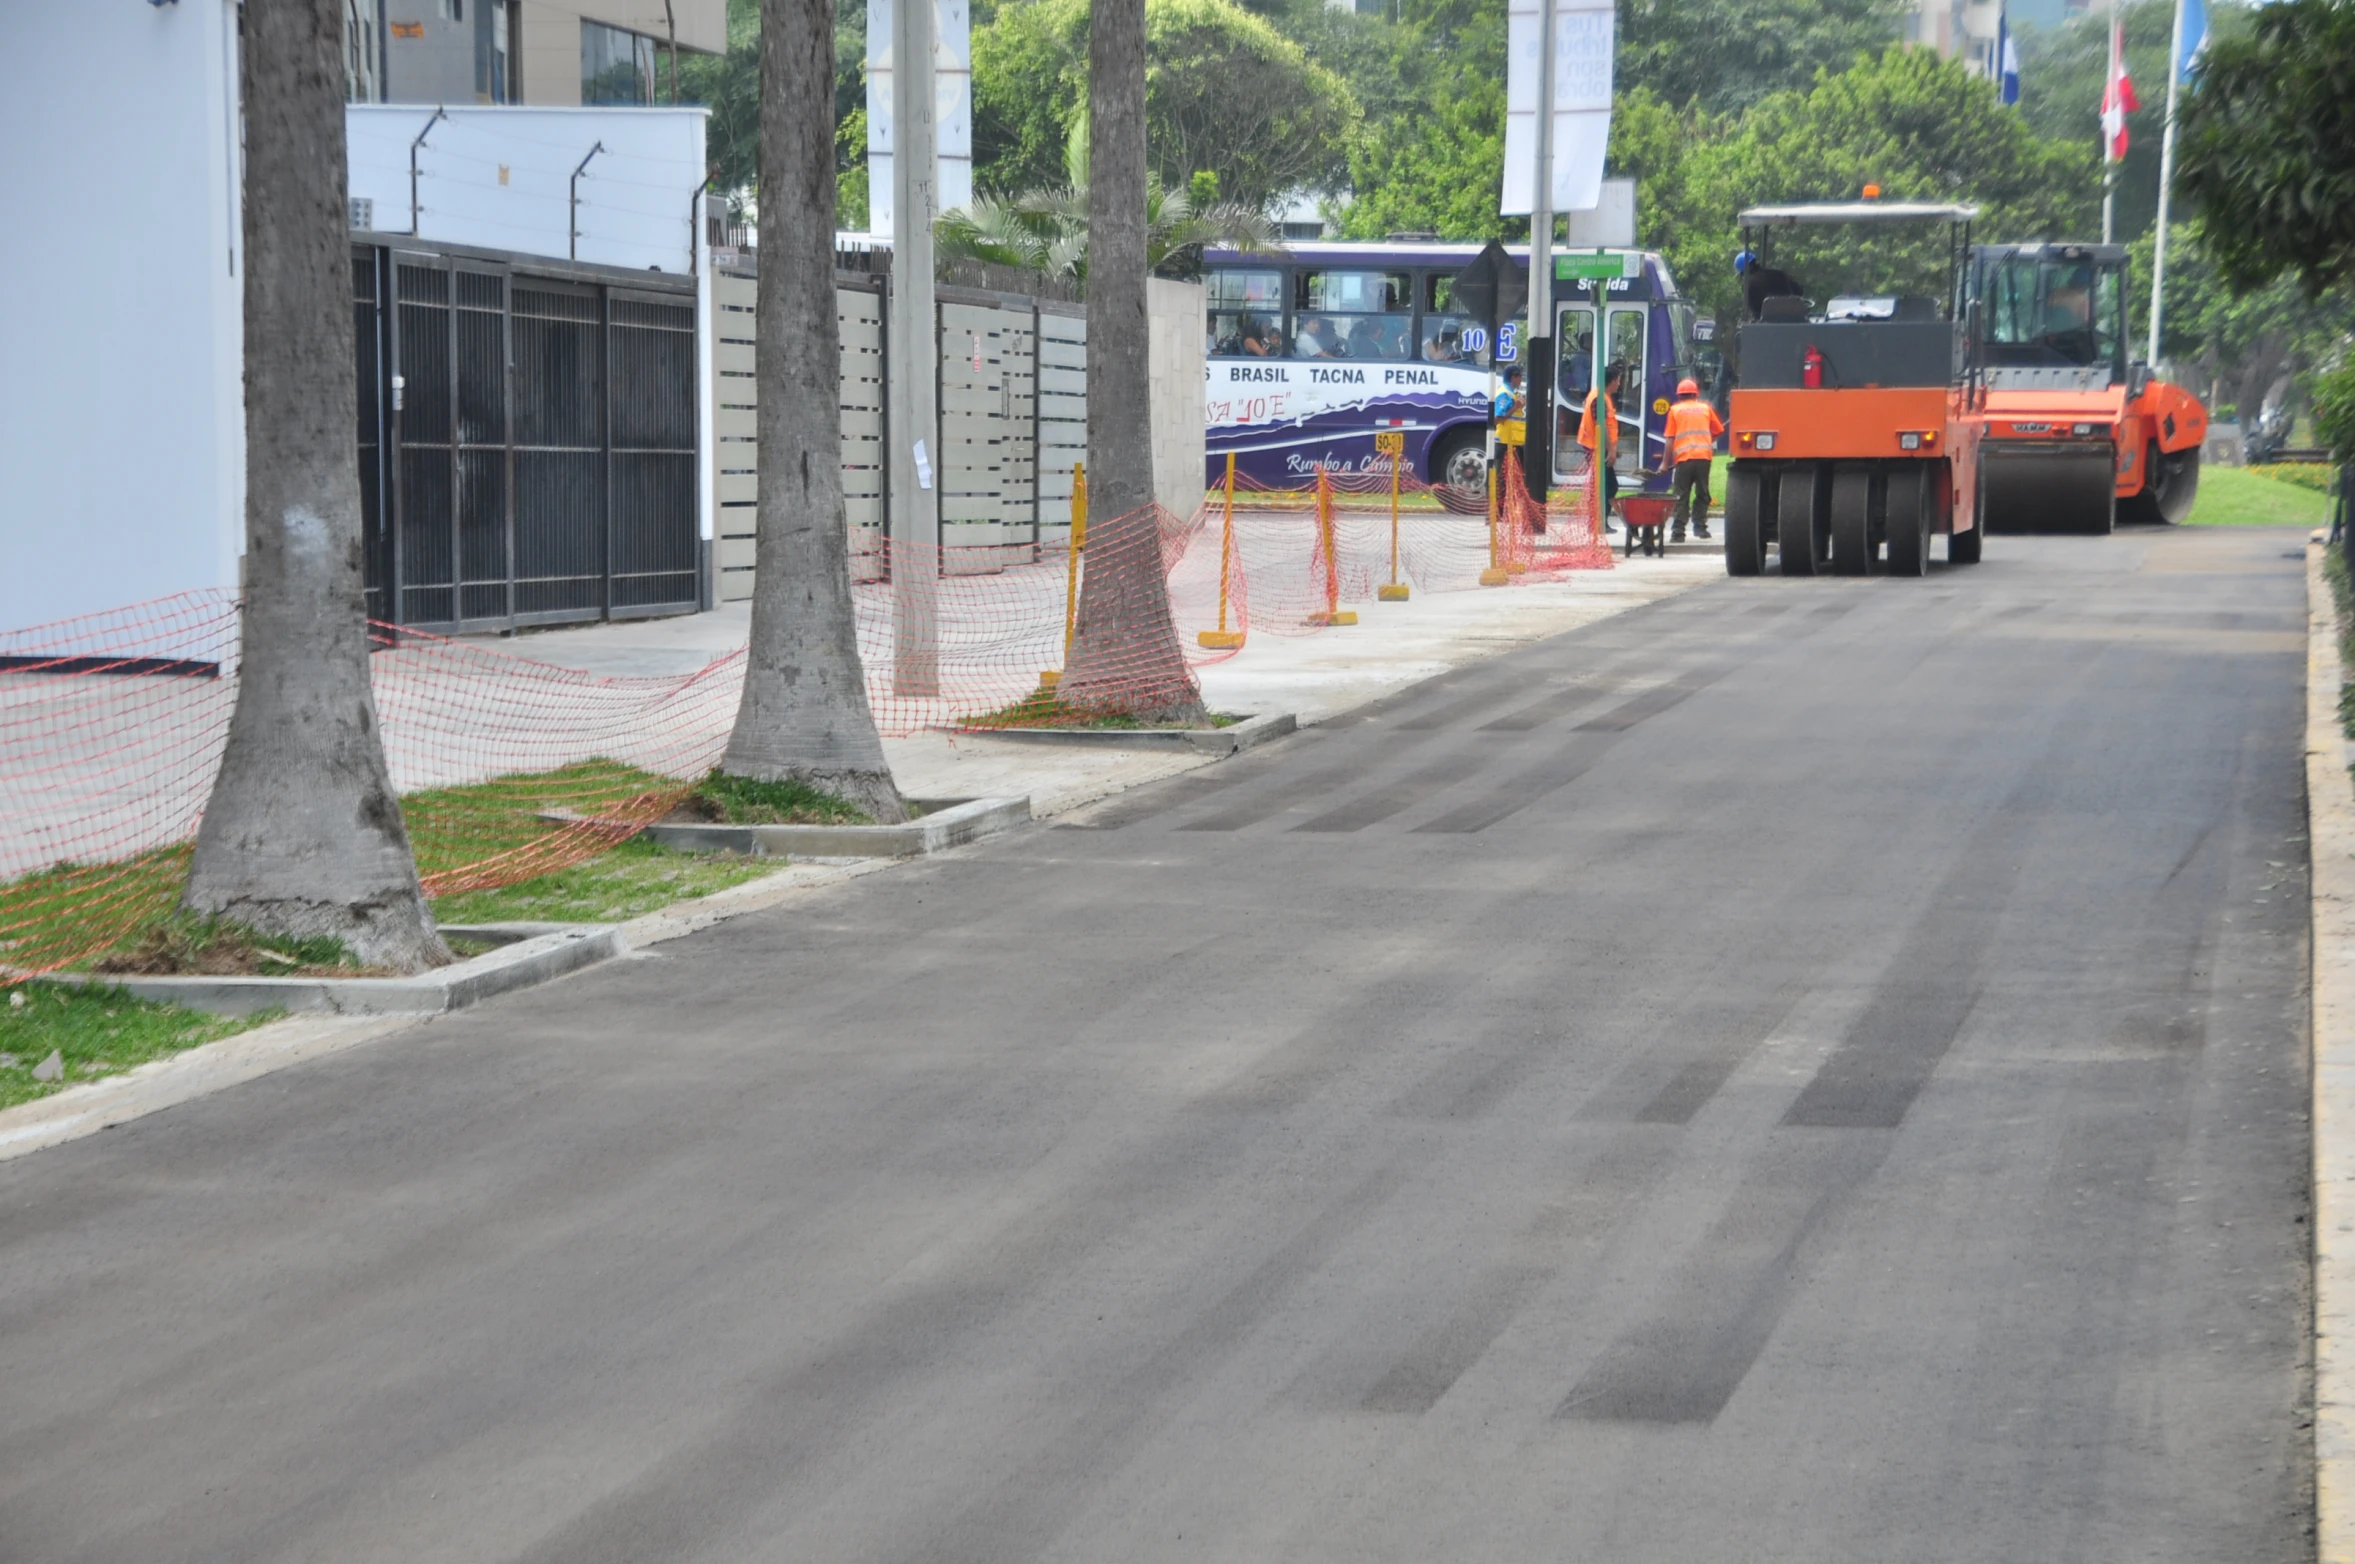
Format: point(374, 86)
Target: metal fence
point(527, 440)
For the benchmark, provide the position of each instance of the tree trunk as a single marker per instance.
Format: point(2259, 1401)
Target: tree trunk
point(1124, 654)
point(303, 833)
point(804, 717)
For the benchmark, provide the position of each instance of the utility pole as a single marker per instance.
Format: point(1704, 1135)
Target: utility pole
point(913, 410)
point(1538, 452)
point(2109, 162)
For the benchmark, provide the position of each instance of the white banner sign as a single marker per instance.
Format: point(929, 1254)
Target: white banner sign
point(1583, 32)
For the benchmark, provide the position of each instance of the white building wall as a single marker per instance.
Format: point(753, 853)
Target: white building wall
point(121, 411)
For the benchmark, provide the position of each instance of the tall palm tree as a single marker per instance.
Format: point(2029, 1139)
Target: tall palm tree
point(303, 833)
point(804, 717)
point(1124, 652)
point(1046, 230)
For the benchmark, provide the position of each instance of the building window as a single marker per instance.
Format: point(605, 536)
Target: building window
point(616, 66)
point(496, 27)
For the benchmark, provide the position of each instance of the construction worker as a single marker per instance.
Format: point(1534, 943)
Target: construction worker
point(1693, 429)
point(1598, 431)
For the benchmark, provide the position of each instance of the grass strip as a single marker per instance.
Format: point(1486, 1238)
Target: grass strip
point(2244, 497)
point(636, 877)
point(729, 800)
point(95, 1032)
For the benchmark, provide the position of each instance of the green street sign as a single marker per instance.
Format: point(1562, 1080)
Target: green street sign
point(1605, 267)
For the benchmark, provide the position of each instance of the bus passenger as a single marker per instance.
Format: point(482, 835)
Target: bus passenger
point(1317, 339)
point(1260, 339)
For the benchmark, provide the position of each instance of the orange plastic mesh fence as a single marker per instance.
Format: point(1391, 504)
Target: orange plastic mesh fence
point(510, 767)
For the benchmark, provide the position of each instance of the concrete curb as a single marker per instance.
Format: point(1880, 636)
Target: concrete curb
point(1247, 734)
point(522, 964)
point(2330, 817)
point(968, 820)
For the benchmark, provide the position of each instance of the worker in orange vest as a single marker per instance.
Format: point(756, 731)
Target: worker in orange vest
point(1598, 431)
point(1693, 429)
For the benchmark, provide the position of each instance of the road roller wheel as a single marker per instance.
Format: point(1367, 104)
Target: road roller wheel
point(2170, 482)
point(2060, 489)
point(1852, 521)
point(1962, 548)
point(1801, 520)
point(1909, 522)
point(1745, 526)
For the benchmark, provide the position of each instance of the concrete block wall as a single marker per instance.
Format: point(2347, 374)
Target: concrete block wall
point(1174, 313)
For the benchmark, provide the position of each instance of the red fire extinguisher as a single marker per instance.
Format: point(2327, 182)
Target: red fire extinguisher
point(1811, 368)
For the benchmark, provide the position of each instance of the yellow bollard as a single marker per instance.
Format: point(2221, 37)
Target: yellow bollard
point(1334, 613)
point(1079, 536)
point(1392, 442)
point(1495, 575)
point(1222, 639)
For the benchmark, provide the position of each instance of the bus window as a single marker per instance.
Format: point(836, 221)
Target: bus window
point(1626, 339)
point(1449, 336)
point(1246, 313)
point(1575, 354)
point(1351, 314)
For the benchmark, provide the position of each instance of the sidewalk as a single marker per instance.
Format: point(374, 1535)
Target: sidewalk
point(2330, 814)
point(1316, 676)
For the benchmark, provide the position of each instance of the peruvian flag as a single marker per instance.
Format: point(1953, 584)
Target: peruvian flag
point(2118, 98)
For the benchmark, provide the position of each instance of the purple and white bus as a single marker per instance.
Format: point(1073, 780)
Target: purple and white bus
point(1314, 351)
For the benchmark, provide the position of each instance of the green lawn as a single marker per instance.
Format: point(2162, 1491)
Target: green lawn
point(97, 1032)
point(2241, 497)
point(635, 877)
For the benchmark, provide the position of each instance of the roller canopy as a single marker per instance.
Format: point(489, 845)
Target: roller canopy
point(1862, 212)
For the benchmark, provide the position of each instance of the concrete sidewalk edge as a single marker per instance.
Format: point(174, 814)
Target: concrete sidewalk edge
point(2330, 816)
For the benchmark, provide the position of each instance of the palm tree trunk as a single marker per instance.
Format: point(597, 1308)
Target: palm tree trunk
point(804, 717)
point(303, 833)
point(1124, 654)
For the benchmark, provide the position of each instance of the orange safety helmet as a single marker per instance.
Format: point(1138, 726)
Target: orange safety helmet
point(1687, 387)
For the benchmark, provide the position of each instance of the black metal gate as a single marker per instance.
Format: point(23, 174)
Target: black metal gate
point(527, 442)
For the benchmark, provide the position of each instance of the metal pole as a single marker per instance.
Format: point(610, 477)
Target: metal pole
point(439, 115)
point(573, 204)
point(1539, 361)
point(2166, 179)
point(915, 358)
point(2109, 166)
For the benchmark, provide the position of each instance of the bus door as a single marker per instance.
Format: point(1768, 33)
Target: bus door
point(1628, 327)
point(1574, 333)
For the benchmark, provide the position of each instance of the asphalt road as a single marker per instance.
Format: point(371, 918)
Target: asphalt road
point(1804, 1071)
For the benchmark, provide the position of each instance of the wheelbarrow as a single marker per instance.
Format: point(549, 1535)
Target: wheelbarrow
point(1645, 516)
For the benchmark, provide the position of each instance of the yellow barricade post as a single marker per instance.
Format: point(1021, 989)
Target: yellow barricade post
point(1079, 536)
point(1223, 639)
point(1495, 575)
point(1392, 443)
point(1334, 613)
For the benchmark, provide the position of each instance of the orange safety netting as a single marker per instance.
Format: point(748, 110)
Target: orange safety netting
point(511, 766)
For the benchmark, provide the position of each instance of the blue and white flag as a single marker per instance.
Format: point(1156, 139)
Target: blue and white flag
point(2193, 29)
point(2007, 58)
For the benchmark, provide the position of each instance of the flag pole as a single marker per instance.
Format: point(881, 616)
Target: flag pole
point(2109, 161)
point(2166, 180)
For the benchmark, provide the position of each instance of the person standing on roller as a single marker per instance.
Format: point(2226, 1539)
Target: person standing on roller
point(1693, 429)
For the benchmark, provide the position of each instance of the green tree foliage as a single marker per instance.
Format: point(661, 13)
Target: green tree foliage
point(2334, 410)
point(1046, 230)
point(2061, 74)
point(729, 85)
point(1922, 128)
point(1224, 92)
point(1721, 56)
point(1431, 155)
point(2229, 347)
point(2267, 146)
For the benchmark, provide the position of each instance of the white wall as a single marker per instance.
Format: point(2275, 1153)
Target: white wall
point(502, 178)
point(121, 399)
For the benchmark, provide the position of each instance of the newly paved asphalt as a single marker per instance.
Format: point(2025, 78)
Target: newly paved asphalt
point(1805, 1071)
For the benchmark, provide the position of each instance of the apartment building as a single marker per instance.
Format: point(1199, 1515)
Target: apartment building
point(546, 52)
